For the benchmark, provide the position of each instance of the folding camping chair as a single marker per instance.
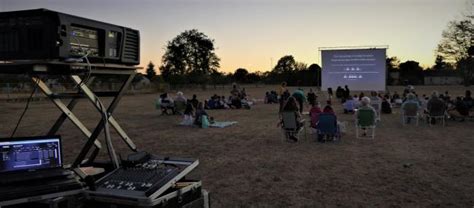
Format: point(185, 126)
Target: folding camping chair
point(377, 105)
point(179, 107)
point(327, 126)
point(291, 126)
point(409, 111)
point(437, 112)
point(365, 120)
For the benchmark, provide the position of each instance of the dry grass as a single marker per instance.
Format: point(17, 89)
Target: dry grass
point(248, 164)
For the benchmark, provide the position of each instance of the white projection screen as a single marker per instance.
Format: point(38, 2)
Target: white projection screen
point(359, 69)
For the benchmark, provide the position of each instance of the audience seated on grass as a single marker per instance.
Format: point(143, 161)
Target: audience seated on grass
point(365, 118)
point(290, 119)
point(216, 102)
point(270, 97)
point(202, 118)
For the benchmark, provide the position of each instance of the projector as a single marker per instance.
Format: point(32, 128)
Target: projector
point(49, 35)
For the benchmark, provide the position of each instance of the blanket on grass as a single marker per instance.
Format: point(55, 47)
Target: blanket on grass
point(222, 124)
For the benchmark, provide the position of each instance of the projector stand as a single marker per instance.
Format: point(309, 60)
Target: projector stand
point(44, 68)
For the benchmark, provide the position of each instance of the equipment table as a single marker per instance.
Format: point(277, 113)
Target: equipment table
point(41, 70)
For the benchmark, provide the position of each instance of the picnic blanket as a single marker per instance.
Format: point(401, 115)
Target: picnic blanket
point(222, 124)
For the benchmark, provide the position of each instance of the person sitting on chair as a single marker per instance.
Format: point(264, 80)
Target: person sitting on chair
point(349, 105)
point(314, 114)
point(166, 104)
point(435, 105)
point(327, 110)
point(292, 106)
point(459, 110)
point(374, 97)
point(180, 103)
point(411, 98)
point(386, 105)
point(365, 105)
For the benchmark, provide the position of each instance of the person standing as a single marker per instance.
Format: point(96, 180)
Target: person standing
point(300, 98)
point(347, 92)
point(283, 95)
point(311, 97)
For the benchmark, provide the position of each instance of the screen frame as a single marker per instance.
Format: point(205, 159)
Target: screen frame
point(16, 139)
point(322, 50)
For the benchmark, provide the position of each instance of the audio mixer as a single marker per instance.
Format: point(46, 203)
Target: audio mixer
point(144, 180)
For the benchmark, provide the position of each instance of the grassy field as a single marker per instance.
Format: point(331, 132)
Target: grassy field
point(249, 165)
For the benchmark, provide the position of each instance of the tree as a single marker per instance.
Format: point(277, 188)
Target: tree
point(300, 66)
point(284, 70)
point(456, 40)
point(240, 75)
point(392, 64)
point(286, 64)
point(254, 77)
point(441, 65)
point(150, 71)
point(315, 70)
point(189, 55)
point(412, 72)
point(218, 78)
point(454, 46)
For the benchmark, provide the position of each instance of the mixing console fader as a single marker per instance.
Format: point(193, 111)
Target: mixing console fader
point(147, 179)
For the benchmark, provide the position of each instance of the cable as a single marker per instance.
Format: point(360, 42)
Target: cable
point(89, 67)
point(25, 109)
point(87, 77)
point(108, 141)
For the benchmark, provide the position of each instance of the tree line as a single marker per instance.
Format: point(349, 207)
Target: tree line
point(190, 58)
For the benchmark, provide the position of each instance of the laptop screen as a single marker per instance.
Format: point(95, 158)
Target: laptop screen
point(29, 154)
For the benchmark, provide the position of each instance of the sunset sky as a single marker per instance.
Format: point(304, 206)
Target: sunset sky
point(255, 33)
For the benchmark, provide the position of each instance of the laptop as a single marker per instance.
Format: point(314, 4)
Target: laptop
point(31, 158)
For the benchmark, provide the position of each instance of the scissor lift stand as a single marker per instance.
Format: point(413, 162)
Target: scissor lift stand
point(38, 69)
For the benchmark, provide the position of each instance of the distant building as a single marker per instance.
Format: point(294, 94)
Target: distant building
point(445, 77)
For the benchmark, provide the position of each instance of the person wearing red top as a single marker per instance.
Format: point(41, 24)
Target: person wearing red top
point(314, 114)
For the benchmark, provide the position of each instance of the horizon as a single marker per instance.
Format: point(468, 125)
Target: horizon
point(254, 34)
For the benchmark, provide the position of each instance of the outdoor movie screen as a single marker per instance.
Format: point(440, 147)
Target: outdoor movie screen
point(359, 69)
